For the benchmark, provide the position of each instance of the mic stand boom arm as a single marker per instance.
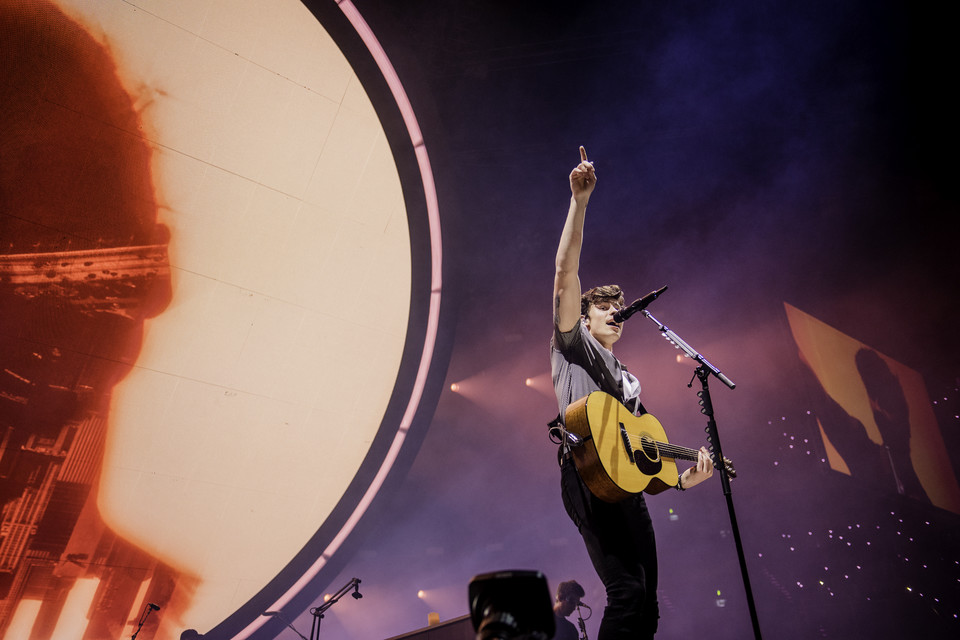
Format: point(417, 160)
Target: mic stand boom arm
point(704, 370)
point(691, 353)
point(147, 610)
point(317, 612)
point(282, 619)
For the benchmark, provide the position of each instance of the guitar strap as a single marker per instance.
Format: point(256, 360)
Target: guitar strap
point(557, 429)
point(595, 366)
point(607, 382)
point(635, 405)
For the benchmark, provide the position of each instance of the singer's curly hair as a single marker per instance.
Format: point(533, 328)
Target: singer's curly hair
point(606, 293)
point(569, 589)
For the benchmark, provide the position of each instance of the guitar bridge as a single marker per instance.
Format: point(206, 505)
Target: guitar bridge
point(626, 443)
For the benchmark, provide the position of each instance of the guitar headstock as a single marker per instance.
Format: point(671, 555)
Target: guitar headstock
point(727, 465)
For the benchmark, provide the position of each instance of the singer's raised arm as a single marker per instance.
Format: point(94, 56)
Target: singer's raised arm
point(566, 284)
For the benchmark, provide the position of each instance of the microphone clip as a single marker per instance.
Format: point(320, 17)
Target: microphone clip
point(637, 305)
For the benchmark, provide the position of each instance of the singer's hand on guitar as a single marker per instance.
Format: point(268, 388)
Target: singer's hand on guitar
point(695, 475)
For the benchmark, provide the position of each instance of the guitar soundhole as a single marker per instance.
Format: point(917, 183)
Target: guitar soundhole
point(649, 448)
point(649, 463)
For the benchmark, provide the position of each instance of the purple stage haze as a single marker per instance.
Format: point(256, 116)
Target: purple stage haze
point(748, 155)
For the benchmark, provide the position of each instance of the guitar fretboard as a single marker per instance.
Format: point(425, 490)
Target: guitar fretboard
point(667, 450)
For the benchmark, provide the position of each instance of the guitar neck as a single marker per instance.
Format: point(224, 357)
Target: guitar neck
point(677, 452)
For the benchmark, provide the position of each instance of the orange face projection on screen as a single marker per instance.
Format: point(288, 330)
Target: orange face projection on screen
point(874, 414)
point(83, 264)
point(198, 206)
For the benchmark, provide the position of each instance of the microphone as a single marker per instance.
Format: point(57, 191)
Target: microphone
point(637, 305)
point(153, 606)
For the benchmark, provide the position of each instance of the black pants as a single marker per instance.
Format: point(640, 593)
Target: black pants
point(619, 538)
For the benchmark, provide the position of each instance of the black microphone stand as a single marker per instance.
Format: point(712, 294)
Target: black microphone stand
point(580, 623)
point(282, 619)
point(703, 372)
point(147, 610)
point(317, 612)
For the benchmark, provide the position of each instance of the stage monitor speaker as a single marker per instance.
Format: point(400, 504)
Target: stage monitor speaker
point(456, 629)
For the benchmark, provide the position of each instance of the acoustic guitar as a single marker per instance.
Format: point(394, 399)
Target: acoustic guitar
point(622, 454)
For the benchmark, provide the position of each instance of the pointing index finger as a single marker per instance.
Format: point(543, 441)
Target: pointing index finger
point(583, 154)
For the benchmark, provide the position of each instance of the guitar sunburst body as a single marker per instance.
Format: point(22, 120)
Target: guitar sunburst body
point(623, 454)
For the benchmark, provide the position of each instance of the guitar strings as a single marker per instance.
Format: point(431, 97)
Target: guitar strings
point(665, 448)
point(668, 450)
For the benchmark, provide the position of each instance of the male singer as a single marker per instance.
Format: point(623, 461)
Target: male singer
point(618, 536)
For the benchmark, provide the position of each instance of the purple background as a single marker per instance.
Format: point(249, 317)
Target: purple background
point(748, 154)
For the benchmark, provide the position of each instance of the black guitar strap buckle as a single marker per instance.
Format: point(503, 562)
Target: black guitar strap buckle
point(558, 434)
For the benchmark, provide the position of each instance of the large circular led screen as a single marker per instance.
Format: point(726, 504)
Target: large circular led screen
point(219, 298)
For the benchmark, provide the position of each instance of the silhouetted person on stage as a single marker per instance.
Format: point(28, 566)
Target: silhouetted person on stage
point(888, 463)
point(568, 597)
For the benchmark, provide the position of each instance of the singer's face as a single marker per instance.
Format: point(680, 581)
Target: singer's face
point(601, 325)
